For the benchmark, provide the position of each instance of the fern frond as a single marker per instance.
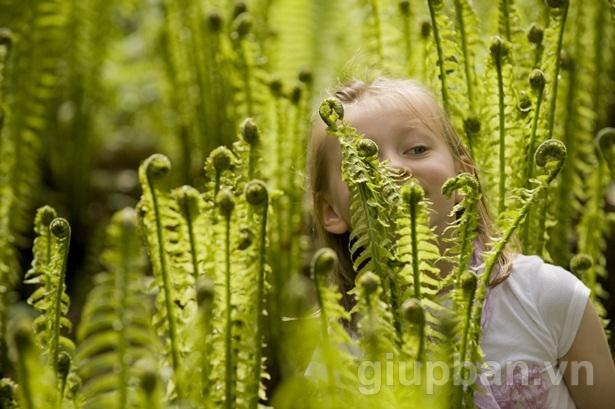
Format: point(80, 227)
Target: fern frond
point(417, 250)
point(377, 334)
point(42, 248)
point(160, 219)
point(467, 27)
point(592, 232)
point(454, 64)
point(501, 122)
point(50, 298)
point(335, 342)
point(36, 380)
point(550, 156)
point(115, 329)
point(554, 38)
point(257, 196)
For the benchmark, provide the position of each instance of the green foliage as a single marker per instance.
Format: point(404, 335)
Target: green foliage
point(227, 305)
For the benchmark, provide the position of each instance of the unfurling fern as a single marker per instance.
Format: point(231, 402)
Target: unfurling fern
point(463, 280)
point(116, 329)
point(50, 298)
point(335, 343)
point(550, 156)
point(417, 249)
point(160, 221)
point(257, 196)
point(501, 124)
point(371, 210)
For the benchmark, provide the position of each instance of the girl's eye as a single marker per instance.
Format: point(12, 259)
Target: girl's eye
point(417, 150)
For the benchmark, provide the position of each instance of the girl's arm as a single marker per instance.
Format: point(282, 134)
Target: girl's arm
point(588, 367)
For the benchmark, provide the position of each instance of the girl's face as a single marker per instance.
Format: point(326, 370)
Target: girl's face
point(406, 143)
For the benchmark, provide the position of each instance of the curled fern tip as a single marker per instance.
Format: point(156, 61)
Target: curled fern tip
point(60, 228)
point(324, 262)
point(256, 192)
point(331, 110)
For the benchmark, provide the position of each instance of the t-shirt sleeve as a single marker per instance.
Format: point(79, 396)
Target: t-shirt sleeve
point(562, 300)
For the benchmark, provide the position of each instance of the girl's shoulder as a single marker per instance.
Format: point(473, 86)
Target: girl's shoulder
point(543, 280)
point(541, 296)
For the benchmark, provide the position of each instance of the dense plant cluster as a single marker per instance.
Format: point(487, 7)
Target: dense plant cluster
point(200, 298)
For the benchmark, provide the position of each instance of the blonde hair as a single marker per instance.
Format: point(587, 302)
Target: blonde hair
point(399, 91)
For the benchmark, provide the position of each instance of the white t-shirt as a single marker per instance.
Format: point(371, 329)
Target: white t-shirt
point(529, 322)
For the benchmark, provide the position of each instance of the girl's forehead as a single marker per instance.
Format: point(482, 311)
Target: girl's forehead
point(400, 111)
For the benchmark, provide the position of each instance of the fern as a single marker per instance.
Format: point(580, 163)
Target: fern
point(115, 329)
point(550, 155)
point(37, 384)
point(501, 123)
point(50, 299)
point(555, 36)
point(453, 64)
point(335, 341)
point(257, 196)
point(34, 74)
point(592, 232)
point(9, 266)
point(369, 208)
point(418, 251)
point(159, 218)
point(467, 26)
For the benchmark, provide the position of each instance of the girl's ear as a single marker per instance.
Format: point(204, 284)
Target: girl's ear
point(332, 221)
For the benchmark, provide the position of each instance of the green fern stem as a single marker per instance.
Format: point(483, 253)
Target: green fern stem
point(375, 8)
point(406, 13)
point(22, 339)
point(464, 348)
point(188, 198)
point(242, 26)
point(6, 40)
point(64, 363)
point(416, 272)
point(226, 204)
point(537, 82)
point(205, 294)
point(466, 55)
point(251, 135)
point(468, 184)
point(291, 183)
point(164, 271)
point(505, 16)
point(121, 290)
point(498, 51)
point(555, 77)
point(257, 196)
point(149, 386)
point(369, 284)
point(61, 231)
point(434, 7)
point(414, 313)
point(324, 262)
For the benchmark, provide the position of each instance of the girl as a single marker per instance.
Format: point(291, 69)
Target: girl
point(538, 323)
